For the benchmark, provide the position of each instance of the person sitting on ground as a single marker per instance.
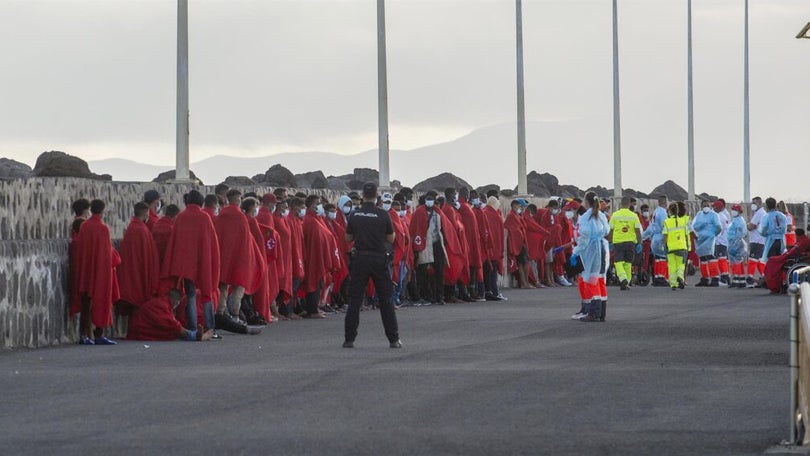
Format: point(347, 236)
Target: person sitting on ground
point(155, 320)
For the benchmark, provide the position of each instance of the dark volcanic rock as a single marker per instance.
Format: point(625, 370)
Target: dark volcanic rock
point(314, 179)
point(239, 181)
point(542, 185)
point(336, 183)
point(60, 164)
point(601, 192)
point(12, 169)
point(673, 191)
point(570, 191)
point(508, 192)
point(168, 176)
point(706, 197)
point(279, 176)
point(359, 177)
point(634, 193)
point(484, 189)
point(440, 182)
point(259, 178)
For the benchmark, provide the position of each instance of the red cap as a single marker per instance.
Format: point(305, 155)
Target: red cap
point(736, 207)
point(717, 204)
point(269, 198)
point(571, 206)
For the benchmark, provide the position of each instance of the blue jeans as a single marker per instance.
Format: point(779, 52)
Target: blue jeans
point(191, 308)
point(403, 273)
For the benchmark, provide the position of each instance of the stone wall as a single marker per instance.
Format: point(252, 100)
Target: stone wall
point(35, 223)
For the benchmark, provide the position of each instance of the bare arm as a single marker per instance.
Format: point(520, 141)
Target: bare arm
point(390, 237)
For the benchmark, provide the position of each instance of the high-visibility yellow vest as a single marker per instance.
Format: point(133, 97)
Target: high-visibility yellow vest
point(624, 223)
point(677, 231)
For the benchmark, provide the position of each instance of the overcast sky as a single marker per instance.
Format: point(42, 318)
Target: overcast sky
point(97, 79)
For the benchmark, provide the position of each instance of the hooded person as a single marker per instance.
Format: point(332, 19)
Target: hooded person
point(96, 280)
point(707, 226)
point(241, 261)
point(192, 261)
point(152, 199)
point(139, 269)
point(162, 230)
point(737, 247)
point(592, 250)
point(494, 264)
point(657, 247)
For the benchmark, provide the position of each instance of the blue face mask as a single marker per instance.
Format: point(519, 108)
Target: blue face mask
point(429, 203)
point(319, 209)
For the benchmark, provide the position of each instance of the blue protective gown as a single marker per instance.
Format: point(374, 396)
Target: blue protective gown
point(592, 247)
point(706, 227)
point(773, 226)
point(653, 232)
point(737, 248)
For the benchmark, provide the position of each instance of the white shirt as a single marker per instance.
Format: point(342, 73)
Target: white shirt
point(753, 235)
point(725, 220)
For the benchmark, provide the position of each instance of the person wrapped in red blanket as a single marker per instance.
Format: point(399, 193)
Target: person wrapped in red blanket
point(774, 268)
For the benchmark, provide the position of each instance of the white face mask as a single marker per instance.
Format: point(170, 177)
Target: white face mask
point(409, 203)
point(476, 202)
point(256, 212)
point(555, 211)
point(285, 212)
point(569, 215)
point(347, 209)
point(754, 208)
point(302, 212)
point(519, 210)
point(646, 214)
point(319, 209)
point(706, 210)
point(216, 211)
point(734, 213)
point(331, 215)
point(386, 207)
point(457, 205)
point(402, 214)
point(429, 203)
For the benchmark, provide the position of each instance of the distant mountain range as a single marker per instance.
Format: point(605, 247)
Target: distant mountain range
point(484, 156)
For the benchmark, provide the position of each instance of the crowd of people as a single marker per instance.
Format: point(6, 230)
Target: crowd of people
point(235, 262)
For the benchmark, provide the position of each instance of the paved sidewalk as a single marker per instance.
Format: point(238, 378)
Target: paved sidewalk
point(696, 372)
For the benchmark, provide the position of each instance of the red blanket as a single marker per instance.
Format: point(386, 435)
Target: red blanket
point(241, 262)
point(96, 261)
point(153, 320)
point(319, 246)
point(284, 254)
point(138, 273)
point(193, 252)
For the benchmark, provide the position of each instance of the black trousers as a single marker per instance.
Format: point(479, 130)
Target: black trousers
point(491, 277)
point(431, 288)
point(378, 269)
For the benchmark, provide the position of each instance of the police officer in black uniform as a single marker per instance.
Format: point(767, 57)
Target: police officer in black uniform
point(371, 230)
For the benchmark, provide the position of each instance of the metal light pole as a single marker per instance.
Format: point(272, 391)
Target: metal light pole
point(617, 129)
point(746, 121)
point(521, 106)
point(181, 173)
point(382, 98)
point(690, 111)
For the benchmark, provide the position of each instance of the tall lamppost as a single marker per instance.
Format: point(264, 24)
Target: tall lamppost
point(617, 129)
point(689, 103)
point(181, 172)
point(746, 120)
point(521, 107)
point(382, 98)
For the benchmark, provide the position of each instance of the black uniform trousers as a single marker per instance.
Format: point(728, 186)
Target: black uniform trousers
point(376, 267)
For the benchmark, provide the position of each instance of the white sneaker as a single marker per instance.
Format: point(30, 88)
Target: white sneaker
point(578, 316)
point(564, 282)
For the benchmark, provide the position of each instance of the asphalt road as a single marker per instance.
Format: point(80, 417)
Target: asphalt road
point(697, 372)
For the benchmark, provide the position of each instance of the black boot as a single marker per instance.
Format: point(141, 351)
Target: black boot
point(604, 310)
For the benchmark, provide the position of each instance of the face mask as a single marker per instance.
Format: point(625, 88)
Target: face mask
point(386, 207)
point(555, 211)
point(429, 203)
point(569, 215)
point(734, 213)
point(331, 215)
point(457, 205)
point(646, 214)
point(302, 212)
point(403, 213)
point(706, 210)
point(754, 208)
point(285, 212)
point(319, 209)
point(216, 211)
point(519, 210)
point(256, 212)
point(476, 202)
point(409, 203)
point(347, 209)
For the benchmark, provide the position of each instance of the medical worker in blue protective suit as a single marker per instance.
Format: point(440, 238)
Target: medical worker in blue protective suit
point(657, 247)
point(706, 227)
point(592, 251)
point(773, 226)
point(737, 247)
